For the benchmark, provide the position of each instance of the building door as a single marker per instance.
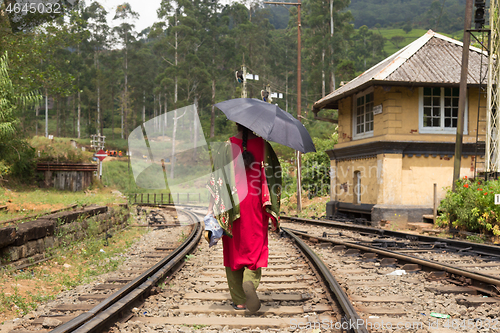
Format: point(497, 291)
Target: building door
point(357, 187)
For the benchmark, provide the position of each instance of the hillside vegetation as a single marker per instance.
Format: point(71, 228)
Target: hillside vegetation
point(438, 15)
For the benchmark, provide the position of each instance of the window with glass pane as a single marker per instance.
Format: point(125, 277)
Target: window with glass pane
point(364, 114)
point(432, 107)
point(451, 107)
point(440, 107)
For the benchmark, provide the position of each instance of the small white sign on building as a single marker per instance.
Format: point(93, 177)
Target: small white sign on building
point(377, 109)
point(497, 199)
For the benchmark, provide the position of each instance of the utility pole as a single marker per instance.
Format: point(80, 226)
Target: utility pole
point(242, 76)
point(493, 92)
point(46, 114)
point(244, 90)
point(462, 94)
point(299, 89)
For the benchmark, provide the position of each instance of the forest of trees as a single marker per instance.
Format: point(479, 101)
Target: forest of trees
point(438, 15)
point(99, 74)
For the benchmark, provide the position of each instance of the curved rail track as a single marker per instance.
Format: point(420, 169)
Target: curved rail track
point(340, 283)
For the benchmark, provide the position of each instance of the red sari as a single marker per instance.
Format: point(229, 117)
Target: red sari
point(249, 245)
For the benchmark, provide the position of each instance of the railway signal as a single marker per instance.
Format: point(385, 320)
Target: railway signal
point(239, 76)
point(479, 15)
point(101, 155)
point(242, 76)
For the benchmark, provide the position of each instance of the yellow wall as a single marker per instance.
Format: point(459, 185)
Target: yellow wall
point(344, 175)
point(345, 120)
point(394, 179)
point(399, 118)
point(420, 173)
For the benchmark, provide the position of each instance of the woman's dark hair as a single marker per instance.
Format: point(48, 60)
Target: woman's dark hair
point(248, 158)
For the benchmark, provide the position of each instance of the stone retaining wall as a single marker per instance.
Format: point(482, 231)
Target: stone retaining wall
point(29, 241)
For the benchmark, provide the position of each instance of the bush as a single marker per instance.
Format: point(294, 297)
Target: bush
point(316, 168)
point(472, 206)
point(17, 160)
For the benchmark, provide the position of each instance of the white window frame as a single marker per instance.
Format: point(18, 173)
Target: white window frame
point(368, 134)
point(357, 188)
point(441, 129)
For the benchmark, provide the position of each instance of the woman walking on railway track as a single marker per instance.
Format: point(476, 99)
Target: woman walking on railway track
point(244, 198)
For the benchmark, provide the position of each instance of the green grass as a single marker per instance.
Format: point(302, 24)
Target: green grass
point(84, 260)
point(29, 200)
point(58, 150)
point(117, 174)
point(413, 35)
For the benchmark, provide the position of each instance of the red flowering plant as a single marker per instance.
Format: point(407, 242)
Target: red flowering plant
point(472, 206)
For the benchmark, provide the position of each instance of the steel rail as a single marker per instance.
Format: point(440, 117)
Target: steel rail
point(102, 314)
point(354, 320)
point(475, 277)
point(483, 249)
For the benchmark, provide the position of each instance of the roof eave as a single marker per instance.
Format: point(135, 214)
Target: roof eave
point(333, 102)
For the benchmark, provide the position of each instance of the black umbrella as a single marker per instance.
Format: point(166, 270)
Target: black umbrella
point(268, 121)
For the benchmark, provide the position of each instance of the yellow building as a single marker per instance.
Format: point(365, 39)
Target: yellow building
point(397, 130)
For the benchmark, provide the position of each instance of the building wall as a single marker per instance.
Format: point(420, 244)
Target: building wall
point(345, 120)
point(399, 118)
point(343, 183)
point(420, 173)
point(393, 179)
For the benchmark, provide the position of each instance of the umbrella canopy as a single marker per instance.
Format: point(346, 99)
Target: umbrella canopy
point(268, 121)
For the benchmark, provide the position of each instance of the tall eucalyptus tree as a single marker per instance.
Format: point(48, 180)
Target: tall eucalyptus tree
point(125, 32)
point(99, 42)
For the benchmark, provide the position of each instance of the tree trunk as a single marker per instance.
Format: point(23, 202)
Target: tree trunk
point(123, 101)
point(79, 101)
point(154, 110)
point(98, 120)
point(323, 73)
point(79, 109)
point(46, 114)
point(212, 118)
point(37, 108)
point(159, 111)
point(172, 159)
point(57, 117)
point(143, 106)
point(113, 111)
point(74, 117)
point(98, 110)
point(195, 126)
point(125, 95)
point(332, 65)
point(166, 110)
point(176, 60)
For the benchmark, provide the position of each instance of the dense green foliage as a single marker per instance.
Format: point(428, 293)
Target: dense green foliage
point(16, 155)
point(316, 167)
point(472, 206)
point(438, 15)
point(100, 79)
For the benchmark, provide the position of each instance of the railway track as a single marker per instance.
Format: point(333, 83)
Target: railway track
point(294, 294)
point(94, 307)
point(461, 280)
point(152, 293)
